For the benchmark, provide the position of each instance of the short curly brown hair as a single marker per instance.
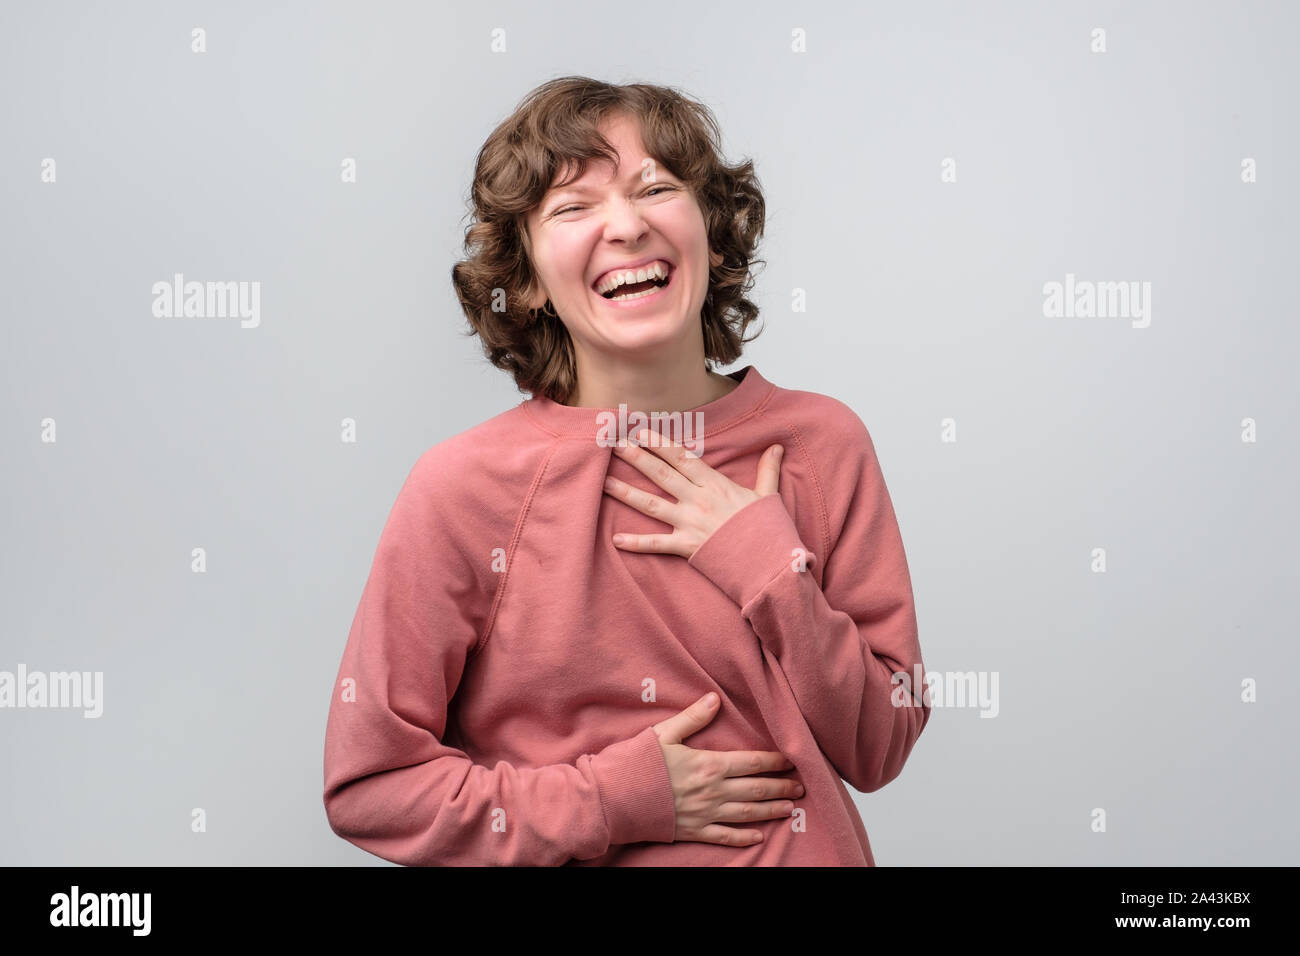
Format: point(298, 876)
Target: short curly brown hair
point(556, 127)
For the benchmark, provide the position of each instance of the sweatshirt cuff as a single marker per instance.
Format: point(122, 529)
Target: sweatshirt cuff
point(636, 791)
point(751, 548)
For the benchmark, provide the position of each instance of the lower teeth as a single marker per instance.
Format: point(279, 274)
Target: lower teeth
point(636, 295)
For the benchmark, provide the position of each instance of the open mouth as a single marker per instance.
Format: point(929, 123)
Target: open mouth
point(633, 291)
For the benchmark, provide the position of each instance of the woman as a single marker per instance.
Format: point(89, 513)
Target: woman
point(551, 603)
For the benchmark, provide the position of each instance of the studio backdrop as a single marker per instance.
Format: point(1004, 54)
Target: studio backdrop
point(1040, 249)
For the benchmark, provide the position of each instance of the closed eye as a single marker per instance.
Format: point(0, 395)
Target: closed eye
point(650, 192)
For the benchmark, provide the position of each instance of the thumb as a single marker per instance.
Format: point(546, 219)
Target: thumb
point(680, 726)
point(769, 472)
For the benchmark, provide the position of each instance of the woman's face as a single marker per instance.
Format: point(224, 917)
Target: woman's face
point(597, 224)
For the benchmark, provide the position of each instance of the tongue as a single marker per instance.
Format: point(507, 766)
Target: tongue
point(633, 287)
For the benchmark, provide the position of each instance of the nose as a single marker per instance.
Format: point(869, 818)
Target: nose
point(624, 221)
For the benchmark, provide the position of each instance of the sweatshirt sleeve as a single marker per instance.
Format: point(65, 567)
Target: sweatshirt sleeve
point(392, 786)
point(839, 643)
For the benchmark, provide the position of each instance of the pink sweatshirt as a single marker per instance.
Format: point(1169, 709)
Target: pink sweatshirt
point(506, 665)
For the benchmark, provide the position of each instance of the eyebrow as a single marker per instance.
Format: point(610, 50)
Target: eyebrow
point(556, 192)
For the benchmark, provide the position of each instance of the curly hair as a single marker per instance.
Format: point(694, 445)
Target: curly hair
point(555, 127)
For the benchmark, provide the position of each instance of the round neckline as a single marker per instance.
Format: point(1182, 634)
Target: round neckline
point(582, 421)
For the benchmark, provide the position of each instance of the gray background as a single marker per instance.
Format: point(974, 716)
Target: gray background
point(1118, 690)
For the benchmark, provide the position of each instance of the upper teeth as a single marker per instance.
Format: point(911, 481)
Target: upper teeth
point(655, 270)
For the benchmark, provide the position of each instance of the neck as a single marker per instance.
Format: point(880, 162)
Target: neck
point(674, 386)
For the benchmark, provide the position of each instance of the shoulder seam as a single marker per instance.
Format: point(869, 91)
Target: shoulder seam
point(517, 533)
point(823, 519)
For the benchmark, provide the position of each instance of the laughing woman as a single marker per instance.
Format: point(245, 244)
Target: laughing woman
point(666, 650)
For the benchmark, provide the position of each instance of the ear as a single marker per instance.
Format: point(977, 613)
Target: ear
point(536, 296)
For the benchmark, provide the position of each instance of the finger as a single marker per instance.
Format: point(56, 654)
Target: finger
point(648, 543)
point(681, 725)
point(747, 812)
point(759, 789)
point(769, 472)
point(643, 501)
point(727, 836)
point(739, 763)
point(657, 469)
point(657, 448)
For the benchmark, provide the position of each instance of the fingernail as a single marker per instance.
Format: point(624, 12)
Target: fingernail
point(710, 699)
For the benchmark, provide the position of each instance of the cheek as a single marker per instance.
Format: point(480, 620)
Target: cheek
point(684, 223)
point(567, 261)
point(692, 244)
